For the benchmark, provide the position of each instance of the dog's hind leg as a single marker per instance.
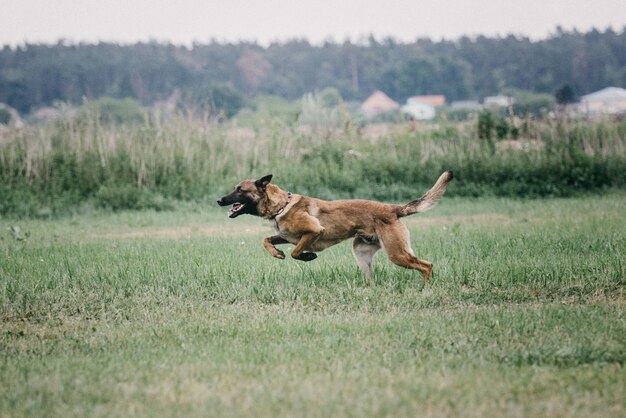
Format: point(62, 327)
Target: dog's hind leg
point(270, 242)
point(363, 252)
point(396, 243)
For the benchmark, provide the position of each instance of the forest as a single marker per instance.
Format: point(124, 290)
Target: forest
point(38, 75)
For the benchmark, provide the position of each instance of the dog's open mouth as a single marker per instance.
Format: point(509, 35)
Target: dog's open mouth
point(235, 209)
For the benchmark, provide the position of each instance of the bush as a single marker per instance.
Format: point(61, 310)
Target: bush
point(532, 104)
point(5, 116)
point(22, 200)
point(216, 100)
point(114, 111)
point(486, 124)
point(502, 128)
point(130, 197)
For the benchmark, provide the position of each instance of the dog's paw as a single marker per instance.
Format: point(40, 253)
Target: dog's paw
point(307, 256)
point(279, 254)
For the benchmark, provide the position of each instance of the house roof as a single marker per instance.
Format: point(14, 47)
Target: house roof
point(606, 94)
point(379, 102)
point(431, 99)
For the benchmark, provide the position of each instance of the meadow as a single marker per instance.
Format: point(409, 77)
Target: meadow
point(126, 291)
point(183, 313)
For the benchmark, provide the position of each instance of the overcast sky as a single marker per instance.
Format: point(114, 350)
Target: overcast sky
point(265, 21)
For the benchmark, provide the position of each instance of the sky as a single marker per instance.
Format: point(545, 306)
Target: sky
point(183, 22)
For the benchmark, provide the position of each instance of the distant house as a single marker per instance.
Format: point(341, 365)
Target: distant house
point(419, 110)
point(610, 100)
point(500, 101)
point(436, 100)
point(466, 105)
point(378, 102)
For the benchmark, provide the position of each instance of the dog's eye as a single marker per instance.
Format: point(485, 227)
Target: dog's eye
point(238, 189)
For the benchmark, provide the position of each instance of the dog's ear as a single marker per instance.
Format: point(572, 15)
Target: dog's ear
point(263, 181)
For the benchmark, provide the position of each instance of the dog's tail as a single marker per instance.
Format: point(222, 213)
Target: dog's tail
point(430, 199)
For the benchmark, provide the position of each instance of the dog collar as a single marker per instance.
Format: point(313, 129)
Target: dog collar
point(283, 208)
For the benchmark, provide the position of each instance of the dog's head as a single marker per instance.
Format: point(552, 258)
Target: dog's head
point(246, 197)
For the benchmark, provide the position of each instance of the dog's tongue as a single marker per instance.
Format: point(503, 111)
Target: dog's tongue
point(233, 211)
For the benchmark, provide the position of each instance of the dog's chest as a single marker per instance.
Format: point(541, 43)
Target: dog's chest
point(284, 232)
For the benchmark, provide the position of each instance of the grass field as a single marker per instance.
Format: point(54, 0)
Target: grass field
point(183, 313)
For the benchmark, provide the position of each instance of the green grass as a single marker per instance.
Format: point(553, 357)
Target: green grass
point(183, 313)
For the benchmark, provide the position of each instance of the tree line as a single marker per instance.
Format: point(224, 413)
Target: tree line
point(36, 75)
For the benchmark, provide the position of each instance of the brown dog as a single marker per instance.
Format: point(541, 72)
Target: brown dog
point(313, 224)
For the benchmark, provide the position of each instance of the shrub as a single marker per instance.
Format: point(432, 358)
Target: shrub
point(5, 116)
point(130, 197)
point(486, 124)
point(216, 100)
point(114, 111)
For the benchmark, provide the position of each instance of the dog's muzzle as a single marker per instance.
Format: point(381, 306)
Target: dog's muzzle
point(235, 210)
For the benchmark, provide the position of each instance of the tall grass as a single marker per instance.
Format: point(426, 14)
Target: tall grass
point(53, 168)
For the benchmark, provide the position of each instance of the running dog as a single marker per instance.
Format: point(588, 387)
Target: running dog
point(313, 225)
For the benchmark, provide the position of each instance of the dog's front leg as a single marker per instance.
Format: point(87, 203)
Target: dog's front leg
point(269, 244)
point(306, 240)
